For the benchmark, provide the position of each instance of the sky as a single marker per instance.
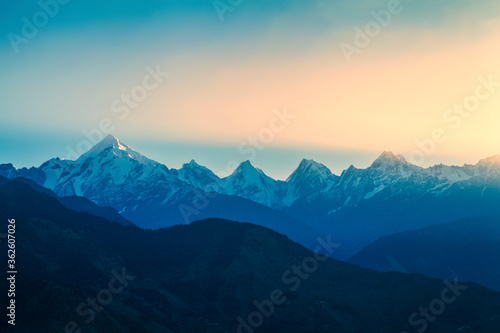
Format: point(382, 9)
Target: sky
point(336, 81)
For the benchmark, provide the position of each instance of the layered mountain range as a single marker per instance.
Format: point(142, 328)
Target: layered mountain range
point(357, 207)
point(80, 272)
point(467, 249)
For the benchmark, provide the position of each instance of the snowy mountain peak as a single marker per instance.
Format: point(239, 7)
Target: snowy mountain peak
point(111, 147)
point(489, 166)
point(247, 163)
point(53, 161)
point(305, 163)
point(246, 167)
point(389, 168)
point(402, 159)
point(192, 165)
point(310, 168)
point(198, 176)
point(309, 180)
point(252, 183)
point(194, 168)
point(389, 160)
point(490, 161)
point(107, 142)
point(389, 156)
point(351, 168)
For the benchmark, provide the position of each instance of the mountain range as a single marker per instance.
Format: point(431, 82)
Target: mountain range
point(356, 207)
point(80, 272)
point(467, 249)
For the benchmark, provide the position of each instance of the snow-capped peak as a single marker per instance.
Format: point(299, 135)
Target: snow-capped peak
point(490, 161)
point(53, 170)
point(107, 142)
point(198, 176)
point(247, 173)
point(389, 161)
point(191, 163)
point(489, 166)
point(308, 180)
point(390, 165)
point(252, 183)
point(55, 163)
point(310, 168)
point(112, 145)
point(389, 157)
point(246, 168)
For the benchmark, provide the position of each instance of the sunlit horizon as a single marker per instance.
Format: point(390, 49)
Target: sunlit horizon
point(219, 91)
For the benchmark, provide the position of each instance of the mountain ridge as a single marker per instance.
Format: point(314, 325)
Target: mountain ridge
point(246, 178)
point(358, 206)
point(451, 249)
point(204, 276)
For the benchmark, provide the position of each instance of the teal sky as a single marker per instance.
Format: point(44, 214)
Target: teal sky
point(226, 76)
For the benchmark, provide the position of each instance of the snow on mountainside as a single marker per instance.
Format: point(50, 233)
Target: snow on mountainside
point(486, 167)
point(111, 147)
point(198, 176)
point(389, 174)
point(452, 173)
point(392, 165)
point(309, 180)
point(109, 163)
point(489, 166)
point(252, 183)
point(113, 174)
point(53, 169)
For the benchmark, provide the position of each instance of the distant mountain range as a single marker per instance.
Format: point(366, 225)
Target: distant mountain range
point(78, 204)
point(357, 207)
point(78, 271)
point(468, 249)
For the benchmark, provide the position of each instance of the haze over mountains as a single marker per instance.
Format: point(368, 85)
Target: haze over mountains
point(357, 207)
